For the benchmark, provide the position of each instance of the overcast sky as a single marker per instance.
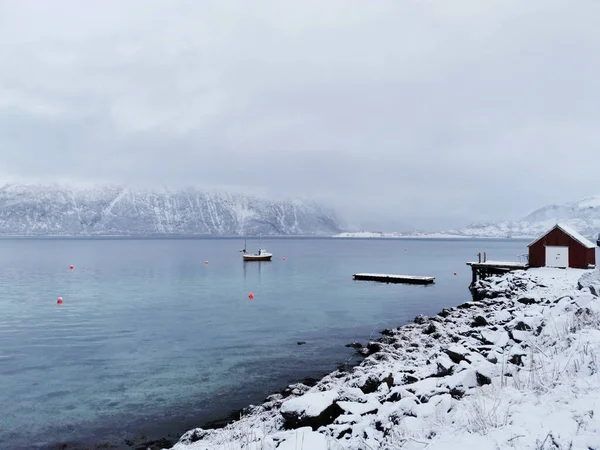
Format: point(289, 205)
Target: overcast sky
point(431, 113)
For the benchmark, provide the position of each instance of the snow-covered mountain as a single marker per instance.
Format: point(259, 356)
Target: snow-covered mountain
point(119, 210)
point(582, 215)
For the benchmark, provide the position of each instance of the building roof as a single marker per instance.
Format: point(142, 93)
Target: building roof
point(571, 232)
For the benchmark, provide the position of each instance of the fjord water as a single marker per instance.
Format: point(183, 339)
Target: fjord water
point(152, 341)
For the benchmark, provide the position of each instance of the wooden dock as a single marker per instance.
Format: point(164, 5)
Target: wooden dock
point(385, 278)
point(482, 270)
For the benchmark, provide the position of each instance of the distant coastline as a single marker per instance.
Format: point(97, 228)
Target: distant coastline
point(382, 235)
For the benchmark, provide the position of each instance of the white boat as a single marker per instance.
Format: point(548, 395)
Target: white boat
point(262, 254)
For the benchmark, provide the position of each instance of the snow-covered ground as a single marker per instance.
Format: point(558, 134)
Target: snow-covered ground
point(517, 369)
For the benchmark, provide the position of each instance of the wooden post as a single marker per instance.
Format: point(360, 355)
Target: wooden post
point(484, 257)
point(474, 279)
point(479, 256)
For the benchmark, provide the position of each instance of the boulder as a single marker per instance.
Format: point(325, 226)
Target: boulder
point(370, 385)
point(479, 321)
point(482, 379)
point(313, 410)
point(456, 353)
point(444, 366)
point(522, 326)
point(430, 329)
point(528, 300)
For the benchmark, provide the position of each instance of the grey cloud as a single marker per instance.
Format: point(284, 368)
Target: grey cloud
point(428, 113)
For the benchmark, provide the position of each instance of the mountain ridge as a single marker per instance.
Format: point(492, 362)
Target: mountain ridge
point(583, 215)
point(124, 210)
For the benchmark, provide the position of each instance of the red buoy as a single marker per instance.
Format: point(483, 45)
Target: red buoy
point(59, 301)
point(284, 258)
point(251, 296)
point(205, 262)
point(454, 273)
point(71, 267)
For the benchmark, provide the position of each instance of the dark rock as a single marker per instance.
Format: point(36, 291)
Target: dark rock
point(522, 326)
point(455, 357)
point(482, 379)
point(394, 397)
point(527, 300)
point(430, 329)
point(444, 313)
point(373, 347)
point(470, 333)
point(293, 421)
point(355, 345)
point(387, 339)
point(467, 305)
point(310, 381)
point(387, 332)
point(379, 426)
point(479, 322)
point(371, 385)
point(517, 360)
point(422, 399)
point(345, 432)
point(443, 370)
point(409, 379)
point(457, 393)
point(301, 342)
point(420, 319)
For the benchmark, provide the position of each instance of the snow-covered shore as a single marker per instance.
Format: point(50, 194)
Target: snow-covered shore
point(519, 368)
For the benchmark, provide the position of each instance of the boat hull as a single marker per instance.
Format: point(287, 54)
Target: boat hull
point(257, 257)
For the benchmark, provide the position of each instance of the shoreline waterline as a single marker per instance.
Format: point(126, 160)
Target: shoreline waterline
point(435, 362)
point(148, 334)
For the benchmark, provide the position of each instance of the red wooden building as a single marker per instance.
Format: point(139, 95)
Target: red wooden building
point(562, 247)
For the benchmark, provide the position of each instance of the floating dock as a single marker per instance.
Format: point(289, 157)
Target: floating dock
point(385, 278)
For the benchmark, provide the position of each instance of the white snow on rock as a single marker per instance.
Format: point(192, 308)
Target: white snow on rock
point(309, 405)
point(304, 438)
point(359, 408)
point(528, 379)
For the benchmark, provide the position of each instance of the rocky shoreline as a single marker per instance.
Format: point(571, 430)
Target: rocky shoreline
point(460, 376)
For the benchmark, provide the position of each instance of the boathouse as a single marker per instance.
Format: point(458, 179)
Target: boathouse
point(562, 247)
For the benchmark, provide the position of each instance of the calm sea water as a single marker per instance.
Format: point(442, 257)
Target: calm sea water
point(152, 341)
